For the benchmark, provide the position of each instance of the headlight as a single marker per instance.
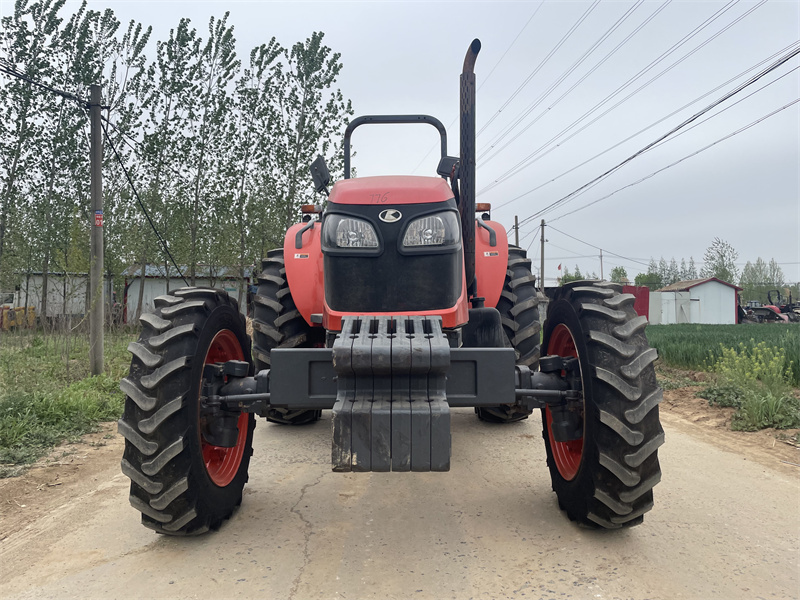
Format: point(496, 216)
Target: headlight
point(440, 229)
point(347, 232)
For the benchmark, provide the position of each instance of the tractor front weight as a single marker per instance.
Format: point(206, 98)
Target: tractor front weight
point(391, 382)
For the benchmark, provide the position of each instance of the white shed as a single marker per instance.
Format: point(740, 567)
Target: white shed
point(157, 284)
point(709, 300)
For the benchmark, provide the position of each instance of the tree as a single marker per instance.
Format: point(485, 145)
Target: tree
point(619, 275)
point(720, 261)
point(567, 276)
point(652, 278)
point(691, 272)
point(673, 273)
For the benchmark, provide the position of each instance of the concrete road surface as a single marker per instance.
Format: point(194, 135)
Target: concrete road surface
point(724, 526)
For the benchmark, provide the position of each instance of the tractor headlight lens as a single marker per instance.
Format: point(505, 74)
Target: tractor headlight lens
point(347, 232)
point(440, 229)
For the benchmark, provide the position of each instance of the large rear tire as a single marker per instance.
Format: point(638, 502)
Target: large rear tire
point(519, 312)
point(605, 479)
point(182, 484)
point(278, 324)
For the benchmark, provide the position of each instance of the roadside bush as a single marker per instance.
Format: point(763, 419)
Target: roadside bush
point(756, 380)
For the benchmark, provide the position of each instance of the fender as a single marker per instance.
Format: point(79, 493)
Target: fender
point(491, 262)
point(304, 270)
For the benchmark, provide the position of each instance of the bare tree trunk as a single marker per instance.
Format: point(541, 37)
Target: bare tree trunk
point(139, 307)
point(45, 277)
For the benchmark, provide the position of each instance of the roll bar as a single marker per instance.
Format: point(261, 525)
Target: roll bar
point(384, 119)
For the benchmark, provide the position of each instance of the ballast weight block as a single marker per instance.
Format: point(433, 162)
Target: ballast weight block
point(391, 411)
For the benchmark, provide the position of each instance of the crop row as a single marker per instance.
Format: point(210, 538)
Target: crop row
point(697, 346)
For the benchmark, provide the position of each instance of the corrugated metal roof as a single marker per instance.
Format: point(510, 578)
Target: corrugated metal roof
point(682, 286)
point(201, 272)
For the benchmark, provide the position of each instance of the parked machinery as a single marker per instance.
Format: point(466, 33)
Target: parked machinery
point(390, 307)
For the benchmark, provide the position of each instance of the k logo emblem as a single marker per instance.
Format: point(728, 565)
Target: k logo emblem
point(390, 215)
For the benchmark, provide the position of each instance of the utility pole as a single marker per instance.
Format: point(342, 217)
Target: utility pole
point(541, 269)
point(601, 264)
point(96, 304)
point(516, 231)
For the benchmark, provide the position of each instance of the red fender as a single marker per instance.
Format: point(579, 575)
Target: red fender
point(304, 270)
point(491, 262)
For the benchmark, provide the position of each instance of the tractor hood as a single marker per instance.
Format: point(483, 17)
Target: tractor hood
point(390, 190)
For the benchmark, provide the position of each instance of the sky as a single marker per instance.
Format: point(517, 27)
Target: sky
point(543, 69)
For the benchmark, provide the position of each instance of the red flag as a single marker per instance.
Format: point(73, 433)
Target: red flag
point(559, 266)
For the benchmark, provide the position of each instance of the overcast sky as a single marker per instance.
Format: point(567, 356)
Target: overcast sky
point(405, 57)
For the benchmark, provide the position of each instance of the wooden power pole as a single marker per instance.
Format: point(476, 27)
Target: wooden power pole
point(541, 269)
point(96, 303)
point(516, 231)
point(601, 264)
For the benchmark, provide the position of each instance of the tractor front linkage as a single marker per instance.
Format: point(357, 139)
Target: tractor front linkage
point(391, 382)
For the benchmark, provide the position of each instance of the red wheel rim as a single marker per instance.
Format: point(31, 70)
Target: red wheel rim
point(567, 455)
point(222, 464)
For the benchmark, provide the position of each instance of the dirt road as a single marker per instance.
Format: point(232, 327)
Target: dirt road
point(726, 525)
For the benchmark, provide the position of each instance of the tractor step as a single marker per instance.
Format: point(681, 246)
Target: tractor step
point(391, 411)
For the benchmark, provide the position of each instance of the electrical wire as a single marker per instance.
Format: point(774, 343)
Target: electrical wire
point(782, 60)
point(514, 41)
point(8, 69)
point(141, 204)
point(536, 154)
point(661, 120)
point(544, 61)
point(633, 260)
point(531, 107)
point(677, 162)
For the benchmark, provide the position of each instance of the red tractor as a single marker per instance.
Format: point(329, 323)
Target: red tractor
point(390, 307)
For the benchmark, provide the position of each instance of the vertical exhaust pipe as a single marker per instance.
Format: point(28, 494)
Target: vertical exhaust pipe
point(467, 159)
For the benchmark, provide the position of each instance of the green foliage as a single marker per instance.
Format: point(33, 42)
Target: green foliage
point(568, 277)
point(618, 274)
point(47, 395)
point(218, 151)
point(761, 277)
point(697, 346)
point(756, 381)
point(720, 261)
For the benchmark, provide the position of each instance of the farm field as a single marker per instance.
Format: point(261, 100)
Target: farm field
point(696, 346)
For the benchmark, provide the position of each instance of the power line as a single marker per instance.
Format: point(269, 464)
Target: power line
point(514, 41)
point(722, 139)
point(675, 129)
point(544, 61)
point(8, 69)
point(597, 247)
point(531, 107)
point(141, 204)
point(537, 154)
point(661, 120)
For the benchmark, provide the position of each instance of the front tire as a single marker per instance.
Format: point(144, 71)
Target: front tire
point(605, 478)
point(278, 324)
point(519, 313)
point(182, 484)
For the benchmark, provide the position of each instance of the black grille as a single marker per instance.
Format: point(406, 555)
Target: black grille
point(392, 280)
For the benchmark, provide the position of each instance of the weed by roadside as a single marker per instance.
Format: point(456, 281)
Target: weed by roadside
point(756, 381)
point(47, 395)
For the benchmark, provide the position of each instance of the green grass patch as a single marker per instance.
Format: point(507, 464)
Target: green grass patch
point(47, 395)
point(698, 347)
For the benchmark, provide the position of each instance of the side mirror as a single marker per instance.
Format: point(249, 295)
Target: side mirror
point(446, 164)
point(320, 174)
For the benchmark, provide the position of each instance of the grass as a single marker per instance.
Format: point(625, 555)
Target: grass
point(697, 347)
point(756, 381)
point(753, 368)
point(47, 394)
